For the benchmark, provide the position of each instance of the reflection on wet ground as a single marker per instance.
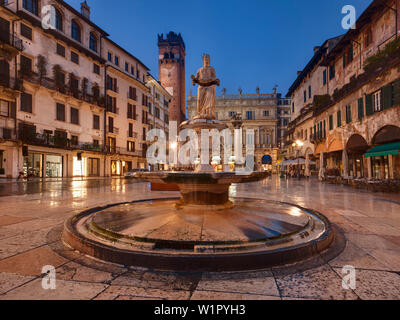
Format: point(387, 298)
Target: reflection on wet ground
point(32, 187)
point(32, 215)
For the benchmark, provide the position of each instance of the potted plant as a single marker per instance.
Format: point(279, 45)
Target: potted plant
point(59, 78)
point(41, 66)
point(85, 82)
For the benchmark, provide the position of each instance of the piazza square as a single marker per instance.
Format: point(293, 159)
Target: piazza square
point(180, 189)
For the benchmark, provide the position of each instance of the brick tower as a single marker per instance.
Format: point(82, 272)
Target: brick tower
point(171, 72)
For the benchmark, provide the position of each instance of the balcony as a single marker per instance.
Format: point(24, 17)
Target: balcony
point(11, 83)
point(11, 44)
point(112, 109)
point(124, 151)
point(131, 134)
point(49, 83)
point(132, 97)
point(7, 134)
point(112, 130)
point(93, 147)
point(45, 140)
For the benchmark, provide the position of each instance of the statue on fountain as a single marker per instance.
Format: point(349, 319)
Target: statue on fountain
point(207, 80)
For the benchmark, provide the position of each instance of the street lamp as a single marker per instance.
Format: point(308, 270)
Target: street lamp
point(298, 145)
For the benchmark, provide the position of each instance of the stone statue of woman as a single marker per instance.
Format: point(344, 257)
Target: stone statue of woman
point(207, 80)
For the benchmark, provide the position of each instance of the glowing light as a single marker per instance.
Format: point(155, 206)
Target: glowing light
point(296, 212)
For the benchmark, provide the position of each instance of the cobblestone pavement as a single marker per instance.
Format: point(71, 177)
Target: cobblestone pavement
point(31, 223)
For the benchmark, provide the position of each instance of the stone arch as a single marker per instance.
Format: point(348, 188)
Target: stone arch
point(386, 134)
point(357, 144)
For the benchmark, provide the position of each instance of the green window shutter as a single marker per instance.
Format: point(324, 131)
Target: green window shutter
point(360, 108)
point(396, 93)
point(330, 122)
point(13, 110)
point(369, 108)
point(348, 114)
point(387, 93)
point(339, 118)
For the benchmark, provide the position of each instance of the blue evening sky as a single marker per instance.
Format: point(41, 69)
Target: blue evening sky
point(251, 42)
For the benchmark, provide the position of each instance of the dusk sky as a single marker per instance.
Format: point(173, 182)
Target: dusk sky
point(252, 43)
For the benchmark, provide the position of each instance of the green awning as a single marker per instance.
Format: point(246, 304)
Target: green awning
point(384, 150)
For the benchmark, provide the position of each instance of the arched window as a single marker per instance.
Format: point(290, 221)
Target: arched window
point(93, 42)
point(75, 31)
point(59, 20)
point(32, 6)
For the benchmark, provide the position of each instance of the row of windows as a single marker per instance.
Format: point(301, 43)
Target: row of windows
point(347, 58)
point(377, 101)
point(129, 68)
point(58, 23)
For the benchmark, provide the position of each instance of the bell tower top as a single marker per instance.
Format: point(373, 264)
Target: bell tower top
point(171, 40)
point(172, 52)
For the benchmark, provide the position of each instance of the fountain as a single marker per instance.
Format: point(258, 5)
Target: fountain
point(206, 229)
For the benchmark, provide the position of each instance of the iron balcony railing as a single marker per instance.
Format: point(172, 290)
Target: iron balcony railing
point(12, 40)
point(113, 130)
point(11, 83)
point(7, 134)
point(124, 151)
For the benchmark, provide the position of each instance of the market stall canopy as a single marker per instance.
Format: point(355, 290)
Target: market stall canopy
point(384, 150)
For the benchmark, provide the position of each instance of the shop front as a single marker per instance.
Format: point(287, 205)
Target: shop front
point(93, 165)
point(385, 161)
point(116, 167)
point(384, 156)
point(43, 165)
point(356, 147)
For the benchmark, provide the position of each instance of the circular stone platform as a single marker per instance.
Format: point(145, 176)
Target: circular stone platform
point(160, 234)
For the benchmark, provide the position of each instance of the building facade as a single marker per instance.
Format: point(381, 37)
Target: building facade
point(159, 111)
point(266, 114)
point(346, 102)
point(76, 103)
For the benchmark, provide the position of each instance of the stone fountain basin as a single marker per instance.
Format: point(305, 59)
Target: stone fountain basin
point(254, 234)
point(202, 188)
point(182, 178)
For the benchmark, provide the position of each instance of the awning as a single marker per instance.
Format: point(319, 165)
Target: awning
point(384, 150)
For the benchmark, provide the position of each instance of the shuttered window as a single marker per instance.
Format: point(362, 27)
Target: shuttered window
point(339, 118)
point(348, 114)
point(360, 108)
point(60, 50)
point(74, 116)
point(26, 102)
point(60, 112)
point(387, 93)
point(396, 93)
point(369, 107)
point(26, 31)
point(331, 122)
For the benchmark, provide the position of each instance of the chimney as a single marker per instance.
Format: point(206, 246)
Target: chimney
point(316, 49)
point(85, 10)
